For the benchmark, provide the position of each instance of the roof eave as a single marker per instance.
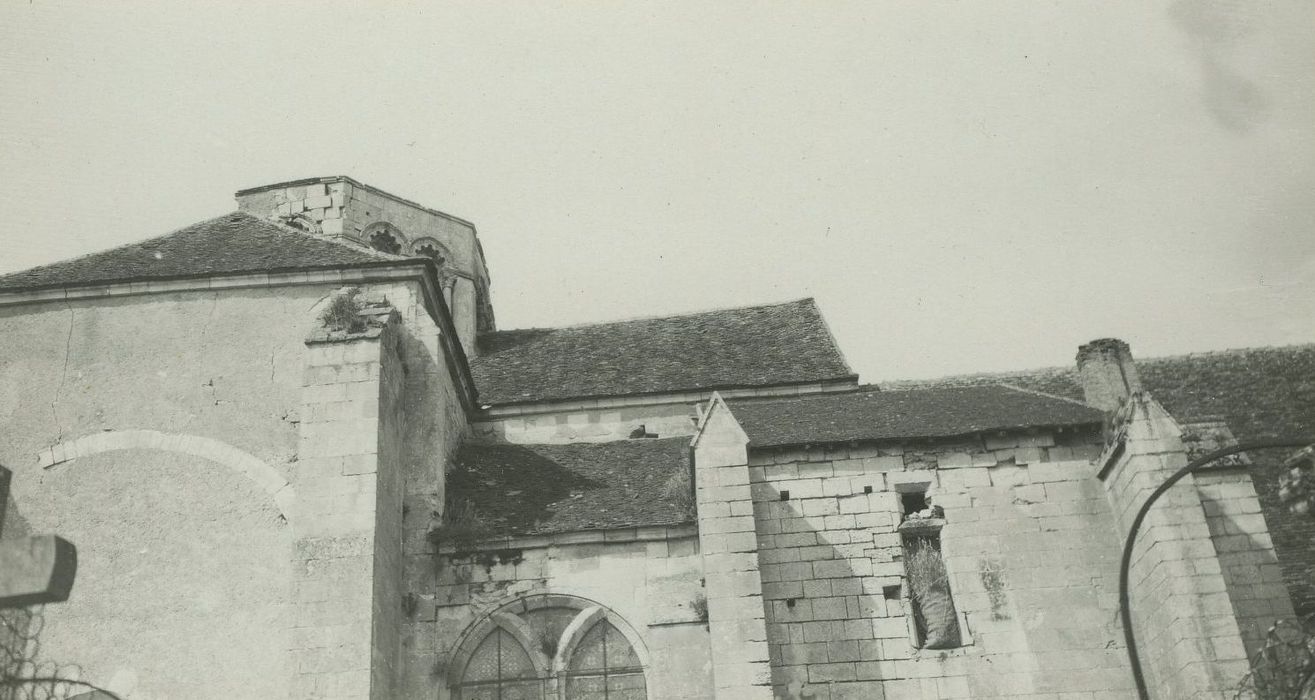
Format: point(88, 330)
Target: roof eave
point(908, 438)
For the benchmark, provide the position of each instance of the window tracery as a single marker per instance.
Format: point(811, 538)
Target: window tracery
point(550, 648)
point(384, 237)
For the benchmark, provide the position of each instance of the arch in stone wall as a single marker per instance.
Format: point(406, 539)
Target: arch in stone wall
point(510, 618)
point(386, 237)
point(244, 463)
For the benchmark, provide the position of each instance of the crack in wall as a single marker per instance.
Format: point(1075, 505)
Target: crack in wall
point(63, 379)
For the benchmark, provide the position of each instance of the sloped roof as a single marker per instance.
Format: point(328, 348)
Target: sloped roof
point(228, 244)
point(1258, 392)
point(871, 414)
point(747, 347)
point(542, 489)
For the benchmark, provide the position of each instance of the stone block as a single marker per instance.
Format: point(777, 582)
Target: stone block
point(883, 464)
point(954, 460)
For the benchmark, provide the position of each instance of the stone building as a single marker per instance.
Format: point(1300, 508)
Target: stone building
point(299, 460)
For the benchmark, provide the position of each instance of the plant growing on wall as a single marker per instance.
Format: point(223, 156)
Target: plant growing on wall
point(700, 607)
point(344, 312)
point(929, 584)
point(1297, 482)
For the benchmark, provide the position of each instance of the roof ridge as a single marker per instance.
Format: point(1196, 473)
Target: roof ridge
point(111, 249)
point(1224, 351)
point(894, 384)
point(635, 319)
point(1040, 393)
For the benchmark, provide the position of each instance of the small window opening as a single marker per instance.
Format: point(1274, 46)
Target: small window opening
point(912, 502)
point(867, 489)
point(785, 495)
point(890, 592)
point(789, 602)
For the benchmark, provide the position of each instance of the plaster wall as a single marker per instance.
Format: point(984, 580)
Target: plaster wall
point(654, 584)
point(177, 416)
point(1029, 543)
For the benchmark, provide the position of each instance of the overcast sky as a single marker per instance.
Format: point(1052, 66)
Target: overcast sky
point(963, 187)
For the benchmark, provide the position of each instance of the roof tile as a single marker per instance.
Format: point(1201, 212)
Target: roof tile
point(230, 244)
point(543, 489)
point(872, 414)
point(748, 347)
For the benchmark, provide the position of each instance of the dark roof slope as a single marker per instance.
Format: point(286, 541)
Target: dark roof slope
point(540, 489)
point(228, 244)
point(1258, 392)
point(870, 414)
point(749, 347)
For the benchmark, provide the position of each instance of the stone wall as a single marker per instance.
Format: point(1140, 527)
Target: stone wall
point(590, 425)
point(1246, 554)
point(1030, 546)
point(650, 578)
point(342, 209)
point(1188, 632)
point(159, 433)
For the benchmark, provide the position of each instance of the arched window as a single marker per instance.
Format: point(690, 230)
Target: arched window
point(432, 249)
point(384, 237)
point(603, 666)
point(500, 669)
point(548, 647)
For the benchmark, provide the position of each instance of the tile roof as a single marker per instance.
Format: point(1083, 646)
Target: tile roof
point(542, 489)
point(228, 244)
point(1258, 392)
point(747, 347)
point(871, 414)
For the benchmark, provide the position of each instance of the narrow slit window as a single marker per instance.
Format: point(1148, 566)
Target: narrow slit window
point(934, 615)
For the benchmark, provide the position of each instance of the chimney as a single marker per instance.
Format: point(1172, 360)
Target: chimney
point(1107, 373)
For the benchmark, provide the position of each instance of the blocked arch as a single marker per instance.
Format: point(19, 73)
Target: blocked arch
point(244, 463)
point(507, 617)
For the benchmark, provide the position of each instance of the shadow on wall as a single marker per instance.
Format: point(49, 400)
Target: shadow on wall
point(1251, 572)
point(819, 616)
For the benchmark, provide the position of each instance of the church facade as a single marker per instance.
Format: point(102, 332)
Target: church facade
point(299, 460)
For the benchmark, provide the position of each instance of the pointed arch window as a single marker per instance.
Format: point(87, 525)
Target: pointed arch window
point(548, 648)
point(500, 669)
point(604, 667)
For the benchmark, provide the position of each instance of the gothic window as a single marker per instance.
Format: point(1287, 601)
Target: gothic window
point(548, 647)
point(500, 669)
point(604, 667)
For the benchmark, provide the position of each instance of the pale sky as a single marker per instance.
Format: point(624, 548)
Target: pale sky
point(967, 186)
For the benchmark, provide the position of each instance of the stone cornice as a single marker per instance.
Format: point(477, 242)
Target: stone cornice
point(665, 398)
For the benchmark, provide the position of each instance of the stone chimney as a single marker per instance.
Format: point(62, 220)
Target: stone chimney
point(1107, 373)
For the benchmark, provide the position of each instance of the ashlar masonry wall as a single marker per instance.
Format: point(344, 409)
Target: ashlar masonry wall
point(1186, 572)
point(649, 578)
point(1030, 545)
